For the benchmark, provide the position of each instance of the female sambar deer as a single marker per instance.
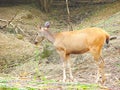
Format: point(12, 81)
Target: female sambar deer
point(77, 42)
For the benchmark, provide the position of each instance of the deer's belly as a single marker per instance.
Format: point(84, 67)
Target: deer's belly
point(78, 51)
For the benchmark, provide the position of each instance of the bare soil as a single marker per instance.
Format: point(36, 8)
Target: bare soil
point(34, 69)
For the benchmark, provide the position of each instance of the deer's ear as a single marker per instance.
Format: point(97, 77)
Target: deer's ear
point(47, 24)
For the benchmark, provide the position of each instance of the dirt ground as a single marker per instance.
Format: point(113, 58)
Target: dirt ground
point(83, 67)
point(37, 72)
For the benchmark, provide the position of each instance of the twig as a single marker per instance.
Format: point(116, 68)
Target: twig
point(68, 11)
point(8, 22)
point(14, 26)
point(19, 28)
point(11, 19)
point(3, 20)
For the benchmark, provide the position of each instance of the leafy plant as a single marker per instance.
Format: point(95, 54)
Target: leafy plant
point(29, 88)
point(37, 54)
point(3, 81)
point(118, 64)
point(8, 88)
point(46, 52)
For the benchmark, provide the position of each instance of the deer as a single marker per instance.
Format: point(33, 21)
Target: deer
point(77, 42)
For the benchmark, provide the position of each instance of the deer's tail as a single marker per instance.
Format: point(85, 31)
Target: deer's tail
point(107, 38)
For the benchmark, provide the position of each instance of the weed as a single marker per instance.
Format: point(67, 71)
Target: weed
point(3, 81)
point(118, 64)
point(46, 52)
point(29, 88)
point(8, 88)
point(37, 54)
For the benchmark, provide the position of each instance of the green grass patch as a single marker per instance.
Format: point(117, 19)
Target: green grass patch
point(8, 88)
point(104, 16)
point(3, 81)
point(118, 65)
point(67, 85)
point(50, 84)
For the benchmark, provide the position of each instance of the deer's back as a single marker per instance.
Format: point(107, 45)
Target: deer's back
point(79, 41)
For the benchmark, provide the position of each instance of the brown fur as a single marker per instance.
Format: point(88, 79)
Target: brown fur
point(79, 42)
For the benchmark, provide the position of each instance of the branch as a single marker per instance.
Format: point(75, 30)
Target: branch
point(68, 11)
point(8, 22)
point(19, 28)
point(12, 19)
point(3, 20)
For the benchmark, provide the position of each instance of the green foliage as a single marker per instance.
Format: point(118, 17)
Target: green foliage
point(29, 88)
point(3, 81)
point(112, 24)
point(14, 88)
point(8, 88)
point(118, 64)
point(37, 54)
point(46, 52)
point(11, 30)
point(46, 84)
point(78, 86)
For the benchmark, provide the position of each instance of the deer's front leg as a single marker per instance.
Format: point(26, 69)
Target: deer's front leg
point(70, 70)
point(62, 54)
point(64, 70)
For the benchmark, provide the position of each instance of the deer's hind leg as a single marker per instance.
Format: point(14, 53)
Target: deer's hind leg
point(100, 64)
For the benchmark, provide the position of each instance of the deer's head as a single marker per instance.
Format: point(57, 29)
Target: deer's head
point(41, 32)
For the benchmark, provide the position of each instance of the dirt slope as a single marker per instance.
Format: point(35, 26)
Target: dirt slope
point(14, 51)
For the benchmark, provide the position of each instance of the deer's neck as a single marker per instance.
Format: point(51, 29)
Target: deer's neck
point(49, 36)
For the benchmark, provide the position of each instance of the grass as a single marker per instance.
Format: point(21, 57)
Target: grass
point(45, 84)
point(13, 50)
point(103, 15)
point(3, 81)
point(7, 88)
point(118, 65)
point(112, 24)
point(51, 85)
